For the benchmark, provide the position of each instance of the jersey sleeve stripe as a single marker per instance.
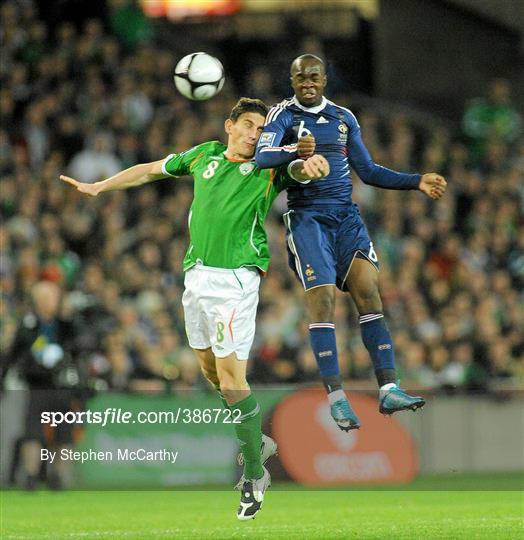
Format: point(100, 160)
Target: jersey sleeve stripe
point(271, 114)
point(291, 148)
point(195, 160)
point(275, 111)
point(164, 163)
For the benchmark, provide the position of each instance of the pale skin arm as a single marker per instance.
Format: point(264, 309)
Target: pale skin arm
point(313, 168)
point(134, 176)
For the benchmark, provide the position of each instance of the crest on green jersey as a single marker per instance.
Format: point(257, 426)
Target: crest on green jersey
point(246, 168)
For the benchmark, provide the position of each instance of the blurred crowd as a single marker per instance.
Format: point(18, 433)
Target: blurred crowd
point(85, 102)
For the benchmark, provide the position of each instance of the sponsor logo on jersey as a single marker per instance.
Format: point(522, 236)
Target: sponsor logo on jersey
point(266, 139)
point(322, 120)
point(246, 168)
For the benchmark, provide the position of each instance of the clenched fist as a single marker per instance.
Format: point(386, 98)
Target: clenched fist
point(316, 167)
point(306, 146)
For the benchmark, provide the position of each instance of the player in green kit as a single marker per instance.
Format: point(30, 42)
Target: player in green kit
point(227, 254)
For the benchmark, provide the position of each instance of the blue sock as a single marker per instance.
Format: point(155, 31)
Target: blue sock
point(324, 345)
point(377, 339)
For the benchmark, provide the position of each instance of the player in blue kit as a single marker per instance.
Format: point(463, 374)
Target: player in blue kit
point(328, 243)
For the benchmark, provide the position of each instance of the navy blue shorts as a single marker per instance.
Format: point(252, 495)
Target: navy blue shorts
point(322, 244)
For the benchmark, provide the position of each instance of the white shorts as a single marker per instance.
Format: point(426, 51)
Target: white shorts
point(220, 307)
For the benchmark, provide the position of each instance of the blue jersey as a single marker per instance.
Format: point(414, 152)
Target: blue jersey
point(338, 139)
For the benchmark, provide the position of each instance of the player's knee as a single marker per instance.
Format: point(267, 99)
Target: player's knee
point(321, 305)
point(211, 375)
point(367, 299)
point(232, 385)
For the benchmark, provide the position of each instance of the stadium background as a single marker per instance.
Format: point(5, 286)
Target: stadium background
point(87, 90)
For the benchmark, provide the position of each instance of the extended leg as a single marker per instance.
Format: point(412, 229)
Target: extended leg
point(362, 282)
point(235, 389)
point(320, 303)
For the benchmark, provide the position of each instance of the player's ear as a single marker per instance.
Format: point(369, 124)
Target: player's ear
point(227, 125)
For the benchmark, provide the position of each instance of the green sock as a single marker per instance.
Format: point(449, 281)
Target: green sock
point(249, 433)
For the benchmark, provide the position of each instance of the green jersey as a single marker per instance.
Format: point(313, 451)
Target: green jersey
point(230, 203)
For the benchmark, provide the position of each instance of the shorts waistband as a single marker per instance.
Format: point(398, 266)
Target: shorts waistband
point(214, 269)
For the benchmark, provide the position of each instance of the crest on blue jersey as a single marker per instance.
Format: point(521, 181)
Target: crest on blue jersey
point(343, 130)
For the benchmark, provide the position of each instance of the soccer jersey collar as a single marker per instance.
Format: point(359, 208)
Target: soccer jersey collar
point(234, 160)
point(315, 109)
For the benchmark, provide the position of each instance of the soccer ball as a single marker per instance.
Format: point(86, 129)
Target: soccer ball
point(199, 76)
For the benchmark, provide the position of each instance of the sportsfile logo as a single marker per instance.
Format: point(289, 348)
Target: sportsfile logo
point(113, 415)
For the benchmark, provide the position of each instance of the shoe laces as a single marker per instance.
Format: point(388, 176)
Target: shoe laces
point(342, 406)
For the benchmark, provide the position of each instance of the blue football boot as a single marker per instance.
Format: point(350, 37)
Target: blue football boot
point(395, 399)
point(344, 415)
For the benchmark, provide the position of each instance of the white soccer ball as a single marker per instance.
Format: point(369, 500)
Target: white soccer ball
point(199, 76)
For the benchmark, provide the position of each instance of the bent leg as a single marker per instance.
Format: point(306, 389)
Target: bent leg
point(206, 359)
point(320, 303)
point(207, 362)
point(362, 283)
point(248, 420)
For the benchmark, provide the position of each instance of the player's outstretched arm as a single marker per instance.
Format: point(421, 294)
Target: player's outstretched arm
point(134, 176)
point(313, 168)
point(433, 185)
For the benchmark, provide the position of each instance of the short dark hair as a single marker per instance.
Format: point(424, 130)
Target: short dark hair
point(245, 105)
point(310, 57)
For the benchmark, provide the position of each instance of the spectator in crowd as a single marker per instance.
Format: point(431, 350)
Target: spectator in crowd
point(99, 160)
point(492, 122)
point(45, 352)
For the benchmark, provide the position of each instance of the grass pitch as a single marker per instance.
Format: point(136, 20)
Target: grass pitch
point(293, 513)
